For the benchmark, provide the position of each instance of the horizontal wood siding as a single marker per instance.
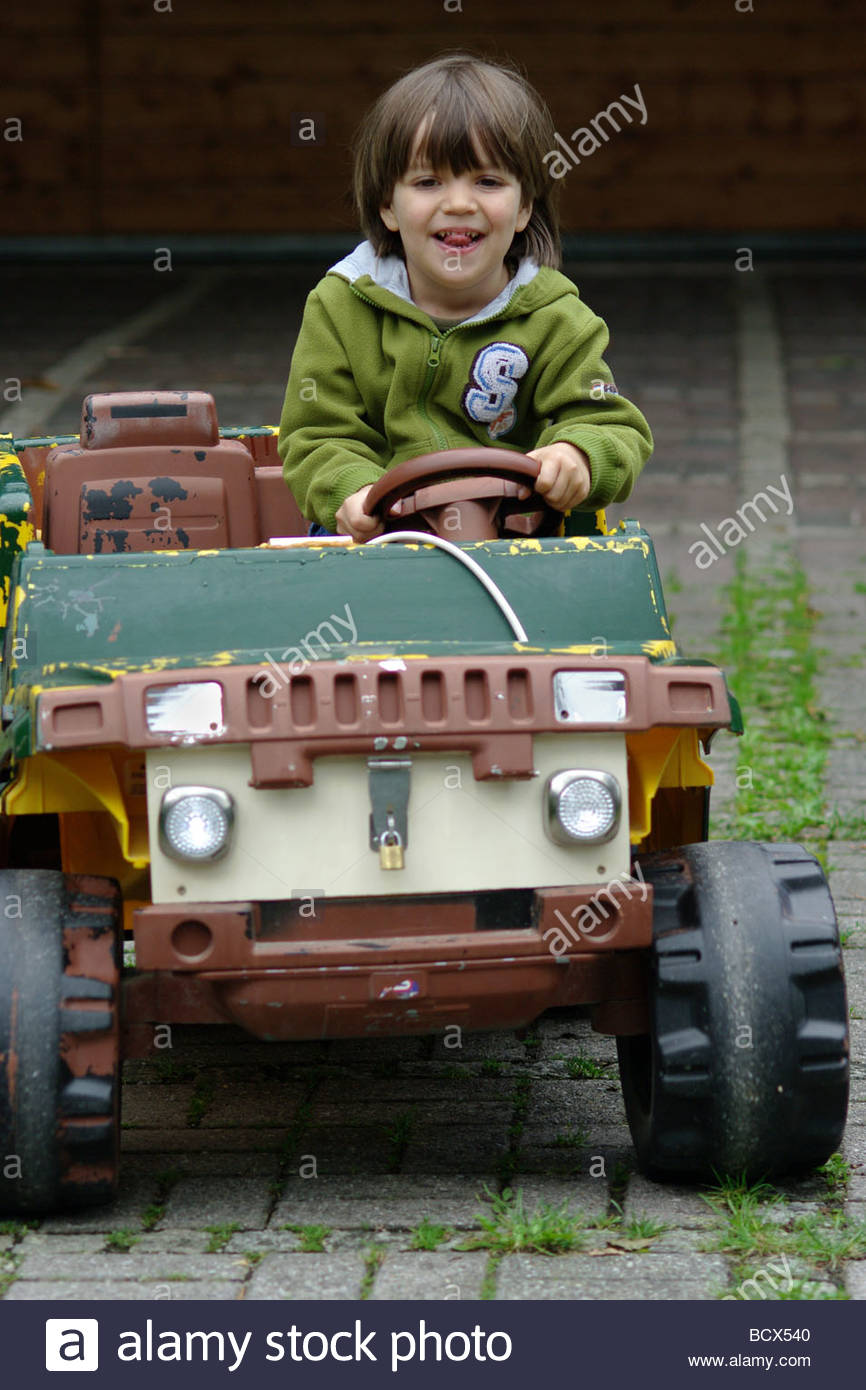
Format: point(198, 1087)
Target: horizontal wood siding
point(136, 120)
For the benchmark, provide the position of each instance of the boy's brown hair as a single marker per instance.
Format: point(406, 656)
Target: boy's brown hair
point(475, 102)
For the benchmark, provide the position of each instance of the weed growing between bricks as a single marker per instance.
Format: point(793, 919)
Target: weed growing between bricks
point(11, 1259)
point(153, 1214)
point(759, 1227)
point(768, 656)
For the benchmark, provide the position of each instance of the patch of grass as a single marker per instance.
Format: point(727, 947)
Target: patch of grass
point(531, 1041)
point(398, 1139)
point(490, 1067)
point(455, 1073)
point(374, 1258)
point(581, 1066)
point(520, 1104)
point(859, 586)
point(768, 655)
point(220, 1236)
point(570, 1138)
point(509, 1227)
point(428, 1236)
point(643, 1227)
point(152, 1215)
point(254, 1257)
point(312, 1238)
point(200, 1101)
point(120, 1242)
point(9, 1274)
point(805, 1290)
point(169, 1071)
point(488, 1283)
point(18, 1229)
point(757, 1227)
point(836, 1172)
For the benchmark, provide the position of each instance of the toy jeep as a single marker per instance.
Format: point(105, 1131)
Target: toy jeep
point(448, 779)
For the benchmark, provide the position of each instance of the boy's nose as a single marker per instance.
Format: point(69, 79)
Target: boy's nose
point(459, 195)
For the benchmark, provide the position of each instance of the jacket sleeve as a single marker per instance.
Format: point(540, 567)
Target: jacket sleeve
point(327, 444)
point(571, 398)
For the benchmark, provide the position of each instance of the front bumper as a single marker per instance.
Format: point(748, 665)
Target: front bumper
point(396, 966)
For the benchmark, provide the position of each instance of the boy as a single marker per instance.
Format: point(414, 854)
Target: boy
point(450, 325)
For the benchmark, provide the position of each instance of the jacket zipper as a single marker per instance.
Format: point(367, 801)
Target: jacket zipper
point(432, 366)
point(432, 363)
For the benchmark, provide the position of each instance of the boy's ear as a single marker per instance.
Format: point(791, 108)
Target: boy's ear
point(387, 215)
point(523, 217)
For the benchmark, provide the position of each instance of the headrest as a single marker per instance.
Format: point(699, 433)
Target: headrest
point(115, 419)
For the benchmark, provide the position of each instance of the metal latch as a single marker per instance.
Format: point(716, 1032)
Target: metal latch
point(389, 818)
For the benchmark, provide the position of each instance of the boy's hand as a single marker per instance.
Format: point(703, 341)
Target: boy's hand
point(564, 478)
point(353, 521)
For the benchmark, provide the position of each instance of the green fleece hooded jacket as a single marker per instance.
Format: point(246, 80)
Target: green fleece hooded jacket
point(374, 382)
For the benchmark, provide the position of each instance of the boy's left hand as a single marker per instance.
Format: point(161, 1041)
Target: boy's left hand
point(564, 478)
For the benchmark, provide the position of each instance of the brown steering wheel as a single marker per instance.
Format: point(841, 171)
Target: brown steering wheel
point(471, 494)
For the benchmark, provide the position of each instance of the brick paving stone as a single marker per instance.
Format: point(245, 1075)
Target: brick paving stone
point(198, 1140)
point(204, 1163)
point(42, 1242)
point(95, 1291)
point(430, 1275)
point(656, 1277)
point(198, 1202)
point(681, 1206)
point(392, 1200)
point(160, 1107)
point(50, 1265)
point(135, 1194)
point(267, 1104)
point(329, 1277)
point(461, 1149)
point(855, 1278)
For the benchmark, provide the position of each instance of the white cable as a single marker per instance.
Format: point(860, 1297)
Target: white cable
point(425, 538)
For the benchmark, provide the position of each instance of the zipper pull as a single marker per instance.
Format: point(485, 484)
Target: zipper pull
point(433, 359)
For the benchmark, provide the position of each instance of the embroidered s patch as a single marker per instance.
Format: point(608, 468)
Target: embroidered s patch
point(488, 397)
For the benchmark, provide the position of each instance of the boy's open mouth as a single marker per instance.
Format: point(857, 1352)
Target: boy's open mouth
point(459, 238)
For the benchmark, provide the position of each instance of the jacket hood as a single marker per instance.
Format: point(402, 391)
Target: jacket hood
point(369, 272)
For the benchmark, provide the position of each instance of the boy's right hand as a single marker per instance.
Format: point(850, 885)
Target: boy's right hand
point(353, 521)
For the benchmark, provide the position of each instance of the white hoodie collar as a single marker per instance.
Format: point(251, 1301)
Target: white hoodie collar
point(389, 273)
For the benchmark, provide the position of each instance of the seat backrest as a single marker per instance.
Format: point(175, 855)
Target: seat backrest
point(279, 513)
point(150, 473)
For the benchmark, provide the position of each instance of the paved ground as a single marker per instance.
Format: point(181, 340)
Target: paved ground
point(745, 379)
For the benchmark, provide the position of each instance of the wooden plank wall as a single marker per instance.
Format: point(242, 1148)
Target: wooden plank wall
point(138, 118)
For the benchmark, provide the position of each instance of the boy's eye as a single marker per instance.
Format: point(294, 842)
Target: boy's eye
point(490, 181)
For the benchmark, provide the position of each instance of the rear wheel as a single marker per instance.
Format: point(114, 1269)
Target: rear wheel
point(59, 1040)
point(745, 1069)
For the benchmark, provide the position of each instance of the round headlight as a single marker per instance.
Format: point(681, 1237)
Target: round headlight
point(195, 823)
point(582, 807)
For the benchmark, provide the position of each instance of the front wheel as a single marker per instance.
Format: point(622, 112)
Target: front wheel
point(59, 1040)
point(745, 1070)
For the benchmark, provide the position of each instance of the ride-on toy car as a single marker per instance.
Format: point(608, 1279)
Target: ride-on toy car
point(445, 780)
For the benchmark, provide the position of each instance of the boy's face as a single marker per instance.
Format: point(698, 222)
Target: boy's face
point(456, 230)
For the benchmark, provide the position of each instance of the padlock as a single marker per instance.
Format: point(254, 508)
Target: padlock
point(390, 851)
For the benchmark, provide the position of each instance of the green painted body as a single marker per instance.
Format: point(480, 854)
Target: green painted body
point(83, 618)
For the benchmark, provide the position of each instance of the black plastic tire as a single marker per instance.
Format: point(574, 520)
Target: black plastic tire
point(745, 1070)
point(59, 1040)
